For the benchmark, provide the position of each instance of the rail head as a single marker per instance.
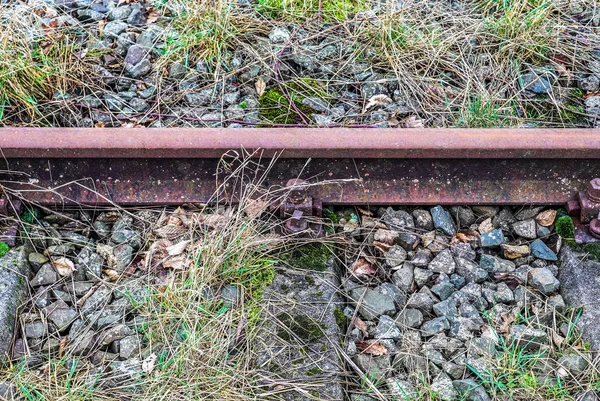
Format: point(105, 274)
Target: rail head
point(47, 143)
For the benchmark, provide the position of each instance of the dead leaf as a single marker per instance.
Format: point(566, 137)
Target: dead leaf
point(546, 218)
point(99, 124)
point(507, 320)
point(557, 339)
point(365, 212)
point(255, 207)
point(362, 268)
point(62, 345)
point(411, 122)
point(63, 266)
point(510, 280)
point(153, 16)
point(149, 363)
point(486, 226)
point(362, 326)
point(176, 263)
point(170, 231)
point(101, 24)
point(178, 248)
point(112, 274)
point(260, 86)
point(464, 237)
point(371, 347)
point(375, 101)
point(381, 247)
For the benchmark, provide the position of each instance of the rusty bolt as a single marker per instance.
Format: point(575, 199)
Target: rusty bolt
point(595, 228)
point(298, 192)
point(593, 190)
point(296, 223)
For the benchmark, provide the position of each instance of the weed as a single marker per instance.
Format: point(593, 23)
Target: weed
point(329, 10)
point(308, 257)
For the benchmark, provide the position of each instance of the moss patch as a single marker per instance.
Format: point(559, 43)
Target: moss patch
point(4, 248)
point(308, 257)
point(340, 318)
point(277, 109)
point(565, 227)
point(331, 10)
point(301, 326)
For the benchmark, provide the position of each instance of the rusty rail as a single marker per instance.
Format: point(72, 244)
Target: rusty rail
point(388, 166)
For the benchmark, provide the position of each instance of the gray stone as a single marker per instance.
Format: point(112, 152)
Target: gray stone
point(387, 329)
point(592, 107)
point(316, 104)
point(525, 228)
point(590, 83)
point(443, 263)
point(403, 277)
point(434, 326)
point(36, 329)
point(412, 318)
point(527, 338)
point(129, 346)
point(84, 343)
point(140, 69)
point(279, 35)
point(503, 219)
point(321, 119)
point(60, 250)
point(45, 276)
point(120, 13)
point(230, 296)
point(464, 215)
point(401, 390)
point(470, 390)
point(541, 251)
point(443, 289)
point(535, 83)
point(127, 371)
point(114, 334)
point(503, 294)
point(151, 37)
point(543, 280)
point(589, 395)
point(397, 219)
point(423, 219)
point(574, 363)
point(371, 303)
point(557, 302)
point(60, 314)
point(100, 298)
point(123, 255)
point(422, 276)
point(421, 258)
point(90, 263)
point(396, 293)
point(375, 367)
point(231, 98)
point(515, 251)
point(493, 264)
point(421, 301)
point(471, 271)
point(123, 233)
point(492, 239)
point(443, 388)
point(442, 220)
point(464, 251)
point(113, 29)
point(36, 260)
point(395, 256)
point(529, 213)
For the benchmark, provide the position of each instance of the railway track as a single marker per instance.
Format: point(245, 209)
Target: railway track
point(56, 166)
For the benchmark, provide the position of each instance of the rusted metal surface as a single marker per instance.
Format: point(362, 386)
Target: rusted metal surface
point(373, 181)
point(300, 143)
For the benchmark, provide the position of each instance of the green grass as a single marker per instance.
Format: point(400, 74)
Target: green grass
point(300, 10)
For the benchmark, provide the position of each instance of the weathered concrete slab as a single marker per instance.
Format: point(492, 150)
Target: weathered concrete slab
point(298, 342)
point(14, 275)
point(580, 286)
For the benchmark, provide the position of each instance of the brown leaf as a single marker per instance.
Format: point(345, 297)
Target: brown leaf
point(176, 263)
point(465, 237)
point(411, 122)
point(362, 326)
point(507, 320)
point(486, 226)
point(546, 218)
point(178, 248)
point(153, 16)
point(63, 266)
point(557, 339)
point(365, 212)
point(112, 274)
point(260, 86)
point(149, 363)
point(371, 347)
point(510, 280)
point(362, 268)
point(99, 124)
point(377, 100)
point(101, 24)
point(381, 247)
point(62, 345)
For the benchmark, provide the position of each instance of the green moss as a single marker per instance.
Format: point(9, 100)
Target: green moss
point(275, 107)
point(30, 215)
point(565, 227)
point(592, 250)
point(340, 318)
point(314, 371)
point(4, 248)
point(308, 257)
point(309, 280)
point(301, 326)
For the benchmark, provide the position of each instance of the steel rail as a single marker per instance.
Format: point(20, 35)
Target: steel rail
point(387, 166)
